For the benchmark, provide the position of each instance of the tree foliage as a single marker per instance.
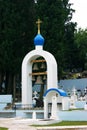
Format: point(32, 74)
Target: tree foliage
point(57, 29)
point(81, 44)
point(16, 34)
point(17, 30)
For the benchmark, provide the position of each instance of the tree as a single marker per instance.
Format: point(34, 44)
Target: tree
point(81, 43)
point(16, 34)
point(70, 47)
point(56, 28)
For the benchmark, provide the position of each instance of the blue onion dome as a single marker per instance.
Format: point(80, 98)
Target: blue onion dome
point(38, 40)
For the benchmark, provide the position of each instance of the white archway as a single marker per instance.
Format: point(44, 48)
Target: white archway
point(27, 69)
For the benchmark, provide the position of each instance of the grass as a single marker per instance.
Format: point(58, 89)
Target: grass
point(70, 123)
point(76, 109)
point(66, 123)
point(3, 128)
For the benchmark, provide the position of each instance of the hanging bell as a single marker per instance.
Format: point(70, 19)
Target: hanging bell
point(43, 66)
point(39, 80)
point(44, 77)
point(35, 67)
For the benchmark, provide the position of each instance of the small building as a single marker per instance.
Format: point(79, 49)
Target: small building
point(62, 101)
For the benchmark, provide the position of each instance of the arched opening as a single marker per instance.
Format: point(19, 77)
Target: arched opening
point(28, 74)
point(39, 80)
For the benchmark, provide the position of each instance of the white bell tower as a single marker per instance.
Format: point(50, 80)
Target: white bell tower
point(27, 68)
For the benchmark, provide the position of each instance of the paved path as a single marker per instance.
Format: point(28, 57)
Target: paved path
point(17, 124)
point(25, 124)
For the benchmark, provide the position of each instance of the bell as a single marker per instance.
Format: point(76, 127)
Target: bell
point(35, 67)
point(43, 66)
point(39, 80)
point(44, 77)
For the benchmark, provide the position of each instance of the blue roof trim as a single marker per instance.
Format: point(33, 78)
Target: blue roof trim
point(60, 91)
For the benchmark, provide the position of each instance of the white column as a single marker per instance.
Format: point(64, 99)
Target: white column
point(45, 108)
point(34, 115)
point(54, 114)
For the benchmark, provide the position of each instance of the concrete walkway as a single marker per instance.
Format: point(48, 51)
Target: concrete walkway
point(17, 124)
point(25, 124)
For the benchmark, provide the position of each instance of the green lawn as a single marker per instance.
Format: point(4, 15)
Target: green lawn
point(69, 123)
point(66, 123)
point(3, 128)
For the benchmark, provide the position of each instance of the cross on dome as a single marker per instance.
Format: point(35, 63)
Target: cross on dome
point(38, 40)
point(38, 22)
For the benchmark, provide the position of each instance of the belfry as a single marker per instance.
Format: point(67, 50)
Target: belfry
point(27, 65)
point(38, 55)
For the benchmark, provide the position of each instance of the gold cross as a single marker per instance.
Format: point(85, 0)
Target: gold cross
point(38, 22)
